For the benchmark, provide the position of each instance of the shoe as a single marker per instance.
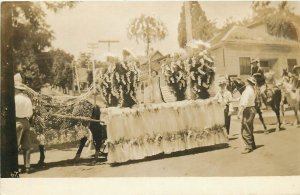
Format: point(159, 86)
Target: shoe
point(247, 150)
point(266, 132)
point(28, 170)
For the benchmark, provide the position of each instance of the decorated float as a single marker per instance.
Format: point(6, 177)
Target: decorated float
point(142, 130)
point(134, 130)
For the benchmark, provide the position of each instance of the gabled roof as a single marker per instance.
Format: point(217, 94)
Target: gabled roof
point(244, 34)
point(156, 53)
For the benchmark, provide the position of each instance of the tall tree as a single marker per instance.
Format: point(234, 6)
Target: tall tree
point(202, 27)
point(85, 60)
point(280, 20)
point(31, 36)
point(147, 29)
point(9, 148)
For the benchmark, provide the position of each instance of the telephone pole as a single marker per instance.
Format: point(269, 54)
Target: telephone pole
point(189, 37)
point(108, 43)
point(93, 46)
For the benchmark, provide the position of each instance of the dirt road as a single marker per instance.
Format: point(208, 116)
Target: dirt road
point(277, 154)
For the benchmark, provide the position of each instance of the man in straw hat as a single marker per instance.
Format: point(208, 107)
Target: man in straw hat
point(23, 112)
point(247, 111)
point(224, 97)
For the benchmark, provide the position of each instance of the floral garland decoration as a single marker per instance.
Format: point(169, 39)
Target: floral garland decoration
point(202, 73)
point(52, 130)
point(175, 73)
point(120, 83)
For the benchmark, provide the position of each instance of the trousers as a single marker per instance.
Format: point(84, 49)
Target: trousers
point(247, 127)
point(227, 118)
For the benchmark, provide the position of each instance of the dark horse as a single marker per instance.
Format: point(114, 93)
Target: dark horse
point(273, 102)
point(98, 132)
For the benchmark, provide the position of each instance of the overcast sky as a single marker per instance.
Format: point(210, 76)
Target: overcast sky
point(92, 21)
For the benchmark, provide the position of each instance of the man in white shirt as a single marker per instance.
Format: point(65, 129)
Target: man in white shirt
point(247, 110)
point(23, 112)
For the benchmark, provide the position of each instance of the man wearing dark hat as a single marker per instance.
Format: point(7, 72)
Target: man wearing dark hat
point(23, 112)
point(247, 111)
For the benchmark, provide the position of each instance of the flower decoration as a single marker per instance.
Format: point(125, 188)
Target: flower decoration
point(176, 77)
point(120, 83)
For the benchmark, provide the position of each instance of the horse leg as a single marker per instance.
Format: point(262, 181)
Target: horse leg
point(41, 162)
point(262, 120)
point(82, 144)
point(282, 112)
point(296, 116)
point(277, 112)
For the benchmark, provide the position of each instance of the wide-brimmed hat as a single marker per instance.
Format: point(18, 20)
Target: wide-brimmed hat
point(251, 80)
point(19, 82)
point(253, 60)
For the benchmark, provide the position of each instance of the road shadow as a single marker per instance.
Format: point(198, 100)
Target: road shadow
point(272, 130)
point(259, 146)
point(232, 138)
point(67, 163)
point(175, 154)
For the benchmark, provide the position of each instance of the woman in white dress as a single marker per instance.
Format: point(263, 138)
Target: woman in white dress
point(155, 89)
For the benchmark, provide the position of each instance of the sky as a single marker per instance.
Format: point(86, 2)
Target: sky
point(89, 22)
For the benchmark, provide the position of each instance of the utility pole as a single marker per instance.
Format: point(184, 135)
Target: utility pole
point(93, 46)
point(77, 79)
point(108, 43)
point(189, 37)
point(73, 77)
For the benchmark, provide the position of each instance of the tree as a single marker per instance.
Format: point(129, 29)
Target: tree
point(15, 17)
point(230, 22)
point(280, 21)
point(31, 35)
point(62, 74)
point(9, 147)
point(202, 28)
point(147, 29)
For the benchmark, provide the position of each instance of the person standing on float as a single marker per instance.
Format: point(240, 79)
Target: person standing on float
point(24, 112)
point(247, 111)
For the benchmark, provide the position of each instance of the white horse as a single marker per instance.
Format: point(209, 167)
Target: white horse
point(293, 98)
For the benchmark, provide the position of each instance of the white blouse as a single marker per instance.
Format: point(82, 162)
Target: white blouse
point(23, 106)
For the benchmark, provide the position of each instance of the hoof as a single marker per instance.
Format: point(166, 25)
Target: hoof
point(77, 158)
point(41, 164)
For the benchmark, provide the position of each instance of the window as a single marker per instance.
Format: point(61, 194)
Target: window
point(291, 63)
point(265, 65)
point(245, 67)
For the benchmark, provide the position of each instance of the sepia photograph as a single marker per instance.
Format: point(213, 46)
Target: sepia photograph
point(150, 89)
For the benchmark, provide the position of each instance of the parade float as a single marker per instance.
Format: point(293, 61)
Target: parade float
point(134, 130)
point(149, 129)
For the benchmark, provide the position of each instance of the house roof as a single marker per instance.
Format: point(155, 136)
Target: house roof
point(244, 34)
point(144, 59)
